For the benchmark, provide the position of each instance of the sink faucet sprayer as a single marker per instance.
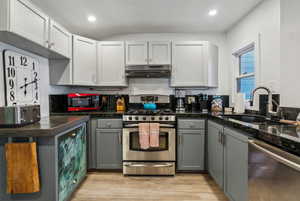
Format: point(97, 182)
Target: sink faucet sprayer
point(270, 111)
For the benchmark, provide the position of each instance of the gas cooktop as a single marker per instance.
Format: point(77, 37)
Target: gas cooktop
point(150, 112)
point(165, 115)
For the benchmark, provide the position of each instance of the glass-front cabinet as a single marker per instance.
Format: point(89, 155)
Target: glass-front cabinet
point(72, 161)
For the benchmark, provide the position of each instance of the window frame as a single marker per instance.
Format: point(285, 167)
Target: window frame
point(239, 75)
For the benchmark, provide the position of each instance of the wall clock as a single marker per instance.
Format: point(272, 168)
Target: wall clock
point(21, 78)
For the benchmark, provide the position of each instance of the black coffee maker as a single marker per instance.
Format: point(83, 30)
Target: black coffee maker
point(192, 103)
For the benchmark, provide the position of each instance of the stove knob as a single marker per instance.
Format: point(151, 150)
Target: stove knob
point(167, 118)
point(144, 118)
point(160, 118)
point(136, 118)
point(130, 118)
point(153, 118)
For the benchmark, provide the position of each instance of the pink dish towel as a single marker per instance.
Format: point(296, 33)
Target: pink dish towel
point(144, 135)
point(154, 134)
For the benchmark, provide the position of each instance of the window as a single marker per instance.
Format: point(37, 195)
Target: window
point(246, 77)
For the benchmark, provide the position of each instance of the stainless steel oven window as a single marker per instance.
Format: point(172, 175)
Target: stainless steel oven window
point(134, 143)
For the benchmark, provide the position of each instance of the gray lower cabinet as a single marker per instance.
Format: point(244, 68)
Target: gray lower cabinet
point(191, 145)
point(228, 160)
point(109, 148)
point(105, 144)
point(236, 165)
point(215, 152)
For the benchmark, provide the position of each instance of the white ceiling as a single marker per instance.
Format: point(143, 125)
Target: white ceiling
point(145, 16)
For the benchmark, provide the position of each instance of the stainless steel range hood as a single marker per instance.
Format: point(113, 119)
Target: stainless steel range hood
point(163, 71)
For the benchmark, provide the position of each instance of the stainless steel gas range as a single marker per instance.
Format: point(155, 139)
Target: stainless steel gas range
point(159, 160)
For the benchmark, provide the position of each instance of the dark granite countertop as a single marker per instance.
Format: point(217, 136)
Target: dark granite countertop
point(48, 126)
point(282, 135)
point(91, 114)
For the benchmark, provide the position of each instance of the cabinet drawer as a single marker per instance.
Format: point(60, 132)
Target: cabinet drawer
point(191, 124)
point(109, 123)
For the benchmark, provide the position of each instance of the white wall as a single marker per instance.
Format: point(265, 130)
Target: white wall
point(161, 86)
point(261, 26)
point(46, 89)
point(290, 53)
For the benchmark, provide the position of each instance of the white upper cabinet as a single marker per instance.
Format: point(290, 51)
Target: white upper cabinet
point(111, 64)
point(60, 39)
point(136, 53)
point(195, 64)
point(148, 53)
point(84, 61)
point(159, 53)
point(25, 19)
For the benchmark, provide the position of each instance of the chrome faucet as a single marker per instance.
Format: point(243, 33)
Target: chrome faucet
point(270, 111)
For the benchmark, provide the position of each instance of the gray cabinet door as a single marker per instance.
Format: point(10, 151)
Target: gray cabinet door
point(92, 154)
point(215, 153)
point(236, 167)
point(109, 148)
point(191, 149)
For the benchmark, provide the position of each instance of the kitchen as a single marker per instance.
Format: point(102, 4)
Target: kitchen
point(128, 97)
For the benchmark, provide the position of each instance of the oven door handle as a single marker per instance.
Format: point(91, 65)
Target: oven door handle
point(161, 125)
point(144, 165)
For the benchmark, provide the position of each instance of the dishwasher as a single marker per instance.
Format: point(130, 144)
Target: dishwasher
point(273, 175)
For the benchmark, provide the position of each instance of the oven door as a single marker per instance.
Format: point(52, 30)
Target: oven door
point(165, 152)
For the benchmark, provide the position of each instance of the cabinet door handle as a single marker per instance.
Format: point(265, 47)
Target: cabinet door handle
point(180, 139)
point(120, 138)
point(223, 139)
point(73, 135)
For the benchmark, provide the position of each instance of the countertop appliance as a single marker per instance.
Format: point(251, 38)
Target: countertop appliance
point(180, 96)
point(18, 116)
point(75, 102)
point(191, 103)
point(156, 71)
point(274, 175)
point(153, 161)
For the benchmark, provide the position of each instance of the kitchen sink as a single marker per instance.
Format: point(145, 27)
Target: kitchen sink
point(253, 119)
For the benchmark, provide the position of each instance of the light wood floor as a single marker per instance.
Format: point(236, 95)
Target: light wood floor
point(116, 187)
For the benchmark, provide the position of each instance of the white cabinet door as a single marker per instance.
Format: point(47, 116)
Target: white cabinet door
point(60, 39)
point(188, 59)
point(136, 53)
point(28, 21)
point(160, 53)
point(111, 64)
point(84, 61)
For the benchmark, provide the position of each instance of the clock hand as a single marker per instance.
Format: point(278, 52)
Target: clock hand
point(32, 82)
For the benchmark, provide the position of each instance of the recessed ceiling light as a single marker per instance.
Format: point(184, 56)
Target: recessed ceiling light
point(92, 18)
point(213, 12)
